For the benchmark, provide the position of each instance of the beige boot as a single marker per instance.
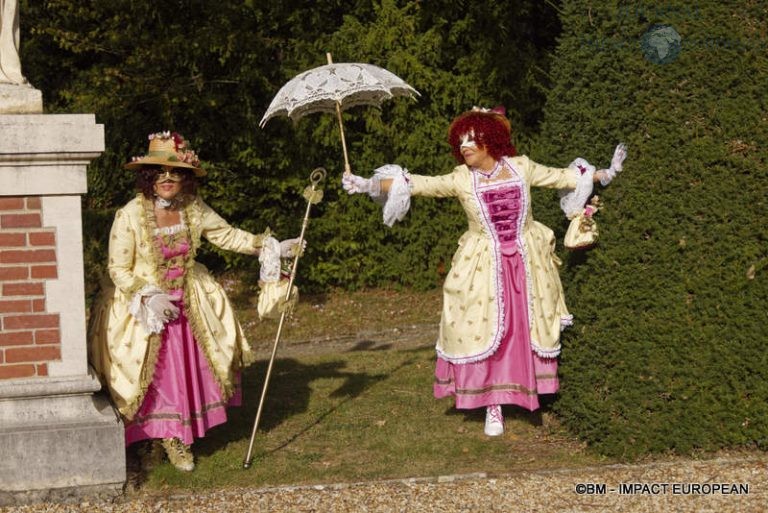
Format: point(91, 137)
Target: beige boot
point(179, 454)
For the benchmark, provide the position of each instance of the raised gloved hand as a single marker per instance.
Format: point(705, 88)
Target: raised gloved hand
point(617, 162)
point(289, 248)
point(354, 184)
point(619, 154)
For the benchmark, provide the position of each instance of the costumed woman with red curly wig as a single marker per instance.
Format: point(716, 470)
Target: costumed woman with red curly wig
point(163, 336)
point(503, 305)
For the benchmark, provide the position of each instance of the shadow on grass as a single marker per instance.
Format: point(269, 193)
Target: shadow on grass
point(369, 345)
point(288, 394)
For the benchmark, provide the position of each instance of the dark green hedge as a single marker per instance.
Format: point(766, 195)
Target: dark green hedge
point(667, 351)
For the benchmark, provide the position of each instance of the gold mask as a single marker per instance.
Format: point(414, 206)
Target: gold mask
point(169, 176)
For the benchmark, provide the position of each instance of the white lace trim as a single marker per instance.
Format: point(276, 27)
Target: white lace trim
point(397, 201)
point(173, 229)
point(493, 173)
point(138, 308)
point(269, 260)
point(572, 201)
point(566, 321)
point(546, 353)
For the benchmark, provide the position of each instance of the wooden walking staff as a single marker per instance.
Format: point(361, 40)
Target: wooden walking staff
point(347, 168)
point(313, 195)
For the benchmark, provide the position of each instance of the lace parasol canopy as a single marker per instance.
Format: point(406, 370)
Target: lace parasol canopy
point(347, 85)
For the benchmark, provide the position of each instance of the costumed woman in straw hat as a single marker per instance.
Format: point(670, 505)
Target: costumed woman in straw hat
point(503, 305)
point(164, 338)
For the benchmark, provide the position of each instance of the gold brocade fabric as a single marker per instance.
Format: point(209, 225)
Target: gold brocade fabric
point(471, 325)
point(120, 350)
point(582, 233)
point(272, 301)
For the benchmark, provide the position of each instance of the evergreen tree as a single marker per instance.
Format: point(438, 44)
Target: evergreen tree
point(670, 308)
point(209, 70)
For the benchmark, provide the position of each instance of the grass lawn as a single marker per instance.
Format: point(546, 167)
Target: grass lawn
point(363, 415)
point(355, 414)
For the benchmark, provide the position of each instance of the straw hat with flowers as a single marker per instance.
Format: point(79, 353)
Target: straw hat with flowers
point(168, 149)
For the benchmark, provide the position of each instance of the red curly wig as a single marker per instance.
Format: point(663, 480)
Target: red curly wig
point(492, 132)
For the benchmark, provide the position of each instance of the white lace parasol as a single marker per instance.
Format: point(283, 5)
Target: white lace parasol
point(349, 84)
point(335, 87)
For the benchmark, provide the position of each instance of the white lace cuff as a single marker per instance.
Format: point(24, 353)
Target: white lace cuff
point(397, 201)
point(269, 260)
point(138, 308)
point(608, 176)
point(572, 201)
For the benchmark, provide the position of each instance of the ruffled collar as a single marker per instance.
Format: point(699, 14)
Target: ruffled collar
point(488, 175)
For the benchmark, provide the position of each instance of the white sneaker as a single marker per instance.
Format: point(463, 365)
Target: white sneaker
point(494, 420)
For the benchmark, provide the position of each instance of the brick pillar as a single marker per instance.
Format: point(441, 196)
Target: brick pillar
point(30, 335)
point(59, 435)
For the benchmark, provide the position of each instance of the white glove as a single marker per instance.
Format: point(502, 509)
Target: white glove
point(617, 162)
point(354, 184)
point(289, 248)
point(153, 308)
point(162, 307)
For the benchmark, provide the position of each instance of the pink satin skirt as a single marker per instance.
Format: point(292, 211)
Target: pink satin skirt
point(183, 401)
point(514, 374)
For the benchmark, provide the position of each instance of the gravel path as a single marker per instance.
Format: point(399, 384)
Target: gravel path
point(728, 484)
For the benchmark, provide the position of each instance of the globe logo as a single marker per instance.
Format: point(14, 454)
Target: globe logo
point(661, 44)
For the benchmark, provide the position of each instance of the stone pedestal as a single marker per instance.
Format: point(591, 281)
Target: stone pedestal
point(58, 435)
point(20, 99)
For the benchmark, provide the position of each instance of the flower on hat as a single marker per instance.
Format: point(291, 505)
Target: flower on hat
point(183, 153)
point(499, 109)
point(160, 135)
point(168, 148)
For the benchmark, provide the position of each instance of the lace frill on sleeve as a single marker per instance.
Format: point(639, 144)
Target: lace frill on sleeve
point(397, 201)
point(572, 201)
point(269, 260)
point(146, 317)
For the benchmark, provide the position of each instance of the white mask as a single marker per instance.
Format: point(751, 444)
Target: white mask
point(468, 140)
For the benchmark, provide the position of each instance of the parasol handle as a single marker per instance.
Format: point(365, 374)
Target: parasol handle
point(347, 168)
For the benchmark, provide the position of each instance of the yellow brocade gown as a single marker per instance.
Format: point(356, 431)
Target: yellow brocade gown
point(121, 351)
point(471, 325)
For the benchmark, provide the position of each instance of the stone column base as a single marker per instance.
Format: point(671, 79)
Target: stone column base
point(20, 99)
point(59, 439)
